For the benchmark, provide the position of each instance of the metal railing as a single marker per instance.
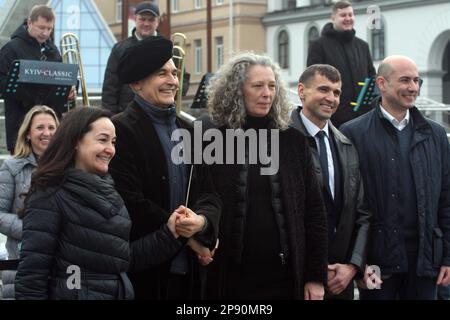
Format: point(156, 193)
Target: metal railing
point(423, 104)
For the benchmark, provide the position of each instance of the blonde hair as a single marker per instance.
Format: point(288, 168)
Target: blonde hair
point(23, 145)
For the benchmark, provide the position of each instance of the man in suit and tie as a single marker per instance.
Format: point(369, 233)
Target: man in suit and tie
point(337, 167)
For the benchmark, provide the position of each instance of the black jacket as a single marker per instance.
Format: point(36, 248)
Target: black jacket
point(351, 56)
point(23, 46)
point(302, 208)
point(116, 95)
point(430, 160)
point(352, 232)
point(139, 170)
point(83, 223)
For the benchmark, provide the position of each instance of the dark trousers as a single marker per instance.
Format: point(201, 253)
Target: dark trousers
point(403, 286)
point(178, 287)
point(443, 293)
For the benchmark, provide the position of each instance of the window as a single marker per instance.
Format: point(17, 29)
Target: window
point(198, 4)
point(313, 34)
point(118, 10)
point(219, 51)
point(219, 2)
point(377, 42)
point(283, 49)
point(198, 56)
point(175, 5)
point(288, 4)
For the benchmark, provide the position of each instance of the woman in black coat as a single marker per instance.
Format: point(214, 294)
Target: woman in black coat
point(273, 232)
point(76, 228)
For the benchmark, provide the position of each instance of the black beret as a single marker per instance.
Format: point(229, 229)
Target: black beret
point(143, 58)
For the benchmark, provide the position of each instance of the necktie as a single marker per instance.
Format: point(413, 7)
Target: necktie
point(323, 158)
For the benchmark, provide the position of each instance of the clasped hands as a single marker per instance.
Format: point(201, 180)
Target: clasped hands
point(186, 223)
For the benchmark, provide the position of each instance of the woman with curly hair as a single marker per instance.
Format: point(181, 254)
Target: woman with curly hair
point(273, 232)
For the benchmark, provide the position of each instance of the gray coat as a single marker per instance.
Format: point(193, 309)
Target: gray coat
point(15, 176)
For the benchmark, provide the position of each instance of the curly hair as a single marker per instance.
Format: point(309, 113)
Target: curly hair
point(226, 97)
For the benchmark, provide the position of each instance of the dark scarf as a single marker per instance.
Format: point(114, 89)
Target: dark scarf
point(97, 191)
point(164, 121)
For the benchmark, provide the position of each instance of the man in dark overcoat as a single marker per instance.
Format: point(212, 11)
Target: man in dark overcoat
point(339, 47)
point(151, 183)
point(319, 89)
point(405, 164)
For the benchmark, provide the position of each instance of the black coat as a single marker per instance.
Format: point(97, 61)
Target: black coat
point(84, 223)
point(351, 56)
point(23, 46)
point(139, 170)
point(352, 232)
point(302, 207)
point(116, 95)
point(430, 161)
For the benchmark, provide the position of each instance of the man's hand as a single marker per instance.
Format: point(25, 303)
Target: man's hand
point(314, 291)
point(204, 255)
point(171, 223)
point(189, 223)
point(339, 276)
point(72, 94)
point(444, 276)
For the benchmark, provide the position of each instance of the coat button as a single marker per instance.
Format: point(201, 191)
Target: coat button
point(163, 178)
point(393, 196)
point(395, 230)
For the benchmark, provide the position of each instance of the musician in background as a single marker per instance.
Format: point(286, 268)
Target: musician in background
point(115, 95)
point(149, 181)
point(31, 41)
point(338, 46)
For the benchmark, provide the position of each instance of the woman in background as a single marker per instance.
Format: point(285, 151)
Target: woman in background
point(35, 133)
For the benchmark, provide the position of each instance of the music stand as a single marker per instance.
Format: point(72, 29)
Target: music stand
point(201, 97)
point(369, 91)
point(41, 82)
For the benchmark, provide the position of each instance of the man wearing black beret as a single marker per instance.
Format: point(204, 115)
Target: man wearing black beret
point(151, 184)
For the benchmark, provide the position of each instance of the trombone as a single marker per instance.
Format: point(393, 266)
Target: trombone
point(179, 53)
point(70, 52)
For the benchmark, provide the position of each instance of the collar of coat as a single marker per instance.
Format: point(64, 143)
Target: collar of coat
point(419, 122)
point(297, 123)
point(344, 36)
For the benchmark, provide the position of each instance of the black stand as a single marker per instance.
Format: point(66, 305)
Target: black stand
point(369, 91)
point(45, 85)
point(201, 98)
